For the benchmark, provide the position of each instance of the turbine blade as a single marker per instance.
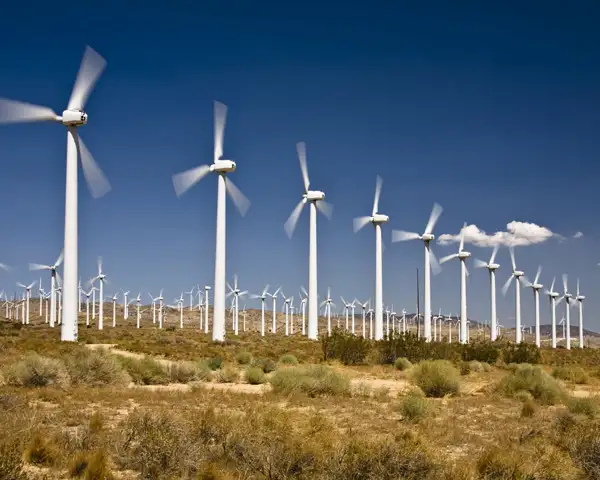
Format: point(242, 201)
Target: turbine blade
point(462, 237)
point(97, 182)
point(525, 281)
point(577, 286)
point(58, 279)
point(360, 222)
point(301, 149)
point(5, 267)
point(60, 258)
point(239, 199)
point(291, 222)
point(560, 299)
point(90, 69)
point(401, 236)
point(37, 266)
point(552, 286)
point(466, 270)
point(537, 275)
point(448, 257)
point(265, 290)
point(220, 120)
point(30, 286)
point(12, 111)
point(433, 261)
point(512, 258)
point(494, 253)
point(564, 279)
point(378, 183)
point(436, 211)
point(506, 285)
point(183, 181)
point(325, 208)
point(19, 284)
point(480, 263)
point(305, 292)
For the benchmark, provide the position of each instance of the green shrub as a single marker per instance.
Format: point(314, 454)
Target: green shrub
point(528, 409)
point(96, 368)
point(146, 370)
point(521, 353)
point(534, 380)
point(348, 348)
point(402, 364)
point(37, 371)
point(583, 406)
point(571, 373)
point(184, 372)
point(476, 366)
point(414, 408)
point(314, 380)
point(227, 375)
point(215, 363)
point(288, 359)
point(243, 358)
point(265, 364)
point(436, 378)
point(255, 376)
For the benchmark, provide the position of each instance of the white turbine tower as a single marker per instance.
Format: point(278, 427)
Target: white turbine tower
point(274, 297)
point(73, 117)
point(102, 278)
point(519, 276)
point(262, 297)
point(183, 181)
point(462, 256)
point(114, 305)
point(87, 307)
point(492, 267)
point(316, 200)
point(567, 297)
point(430, 260)
point(536, 287)
point(125, 304)
point(552, 296)
point(580, 298)
point(377, 219)
point(27, 297)
point(53, 283)
point(138, 303)
point(328, 302)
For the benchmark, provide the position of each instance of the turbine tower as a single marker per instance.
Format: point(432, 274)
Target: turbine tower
point(102, 278)
point(580, 298)
point(73, 117)
point(377, 219)
point(492, 267)
point(519, 276)
point(536, 287)
point(430, 260)
point(183, 181)
point(53, 283)
point(552, 296)
point(27, 297)
point(262, 297)
point(316, 199)
point(567, 297)
point(462, 255)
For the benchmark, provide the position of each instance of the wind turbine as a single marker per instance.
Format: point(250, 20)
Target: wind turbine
point(536, 287)
point(552, 296)
point(328, 302)
point(287, 301)
point(87, 307)
point(183, 181)
point(580, 298)
point(519, 276)
point(102, 278)
point(430, 260)
point(316, 200)
point(138, 303)
point(27, 297)
point(568, 304)
point(347, 307)
point(303, 301)
point(125, 305)
point(462, 255)
point(191, 294)
point(364, 307)
point(73, 117)
point(206, 290)
point(114, 305)
point(377, 219)
point(492, 267)
point(262, 297)
point(235, 291)
point(274, 297)
point(53, 283)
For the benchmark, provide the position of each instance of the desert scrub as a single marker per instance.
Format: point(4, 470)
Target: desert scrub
point(583, 406)
point(528, 409)
point(265, 364)
point(227, 374)
point(571, 373)
point(96, 368)
point(314, 380)
point(255, 376)
point(42, 451)
point(184, 372)
point(402, 363)
point(288, 359)
point(243, 358)
point(542, 387)
point(215, 363)
point(145, 370)
point(37, 371)
point(90, 466)
point(436, 378)
point(414, 407)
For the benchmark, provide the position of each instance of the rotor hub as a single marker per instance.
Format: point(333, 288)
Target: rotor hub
point(427, 237)
point(74, 118)
point(463, 255)
point(223, 166)
point(314, 195)
point(518, 274)
point(379, 218)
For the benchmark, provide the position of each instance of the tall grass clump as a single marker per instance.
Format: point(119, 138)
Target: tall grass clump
point(42, 451)
point(227, 374)
point(90, 466)
point(146, 370)
point(37, 371)
point(571, 373)
point(583, 406)
point(313, 380)
point(542, 387)
point(96, 368)
point(436, 378)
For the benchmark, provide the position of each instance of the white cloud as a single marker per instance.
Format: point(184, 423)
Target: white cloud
point(578, 235)
point(517, 234)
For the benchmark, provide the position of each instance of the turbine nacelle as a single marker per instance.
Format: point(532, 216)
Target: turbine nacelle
point(314, 196)
point(518, 273)
point(73, 118)
point(427, 237)
point(462, 255)
point(223, 166)
point(537, 286)
point(493, 266)
point(379, 218)
point(580, 297)
point(554, 294)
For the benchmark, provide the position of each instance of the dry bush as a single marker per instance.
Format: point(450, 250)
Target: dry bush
point(414, 407)
point(90, 466)
point(37, 371)
point(288, 359)
point(184, 372)
point(528, 409)
point(42, 451)
point(255, 376)
point(227, 374)
point(243, 358)
point(96, 368)
point(314, 380)
point(583, 406)
point(215, 363)
point(361, 389)
point(582, 440)
point(145, 370)
point(571, 373)
point(402, 363)
point(265, 364)
point(534, 380)
point(436, 378)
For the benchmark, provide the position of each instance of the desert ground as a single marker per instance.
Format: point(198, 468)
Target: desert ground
point(128, 403)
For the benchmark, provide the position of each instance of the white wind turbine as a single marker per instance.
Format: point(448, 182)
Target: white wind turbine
point(580, 298)
point(191, 294)
point(377, 219)
point(183, 181)
point(206, 290)
point(73, 117)
point(102, 278)
point(79, 292)
point(328, 302)
point(536, 287)
point(138, 303)
point(262, 297)
point(567, 297)
point(274, 297)
point(347, 307)
point(303, 302)
point(27, 297)
point(552, 296)
point(125, 305)
point(519, 276)
point(492, 267)
point(430, 260)
point(236, 292)
point(364, 307)
point(87, 307)
point(53, 283)
point(462, 256)
point(286, 307)
point(114, 305)
point(316, 200)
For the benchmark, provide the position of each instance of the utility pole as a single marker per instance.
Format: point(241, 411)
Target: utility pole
point(418, 308)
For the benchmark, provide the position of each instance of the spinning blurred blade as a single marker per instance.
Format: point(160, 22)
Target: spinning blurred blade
point(325, 208)
point(239, 199)
point(96, 180)
point(220, 120)
point(12, 111)
point(378, 183)
point(436, 211)
point(91, 67)
point(292, 220)
point(301, 149)
point(401, 236)
point(183, 181)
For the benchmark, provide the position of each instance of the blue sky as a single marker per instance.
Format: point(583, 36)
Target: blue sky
point(490, 110)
